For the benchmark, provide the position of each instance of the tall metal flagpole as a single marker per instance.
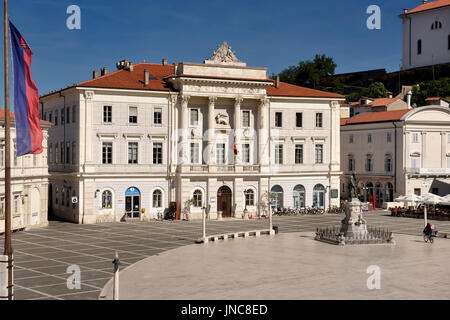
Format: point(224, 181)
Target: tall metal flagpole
point(8, 244)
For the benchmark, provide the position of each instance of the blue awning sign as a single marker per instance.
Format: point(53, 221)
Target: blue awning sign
point(132, 191)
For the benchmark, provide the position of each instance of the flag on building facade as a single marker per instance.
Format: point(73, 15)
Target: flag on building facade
point(235, 147)
point(26, 98)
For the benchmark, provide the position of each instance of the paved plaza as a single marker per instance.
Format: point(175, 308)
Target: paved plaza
point(43, 255)
point(290, 266)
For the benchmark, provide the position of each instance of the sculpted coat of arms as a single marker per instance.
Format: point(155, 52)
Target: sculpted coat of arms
point(224, 55)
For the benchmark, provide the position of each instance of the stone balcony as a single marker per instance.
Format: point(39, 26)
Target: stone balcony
point(428, 172)
point(221, 168)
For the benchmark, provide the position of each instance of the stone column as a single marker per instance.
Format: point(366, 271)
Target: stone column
point(172, 126)
point(424, 150)
point(211, 131)
point(443, 150)
point(239, 196)
point(184, 148)
point(237, 128)
point(334, 137)
point(263, 138)
point(212, 193)
point(86, 155)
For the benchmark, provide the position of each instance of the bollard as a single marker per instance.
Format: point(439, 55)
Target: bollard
point(116, 263)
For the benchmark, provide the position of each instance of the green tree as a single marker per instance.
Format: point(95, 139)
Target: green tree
point(309, 73)
point(375, 90)
point(428, 89)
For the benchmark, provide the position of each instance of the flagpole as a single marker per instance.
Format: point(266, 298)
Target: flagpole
point(8, 245)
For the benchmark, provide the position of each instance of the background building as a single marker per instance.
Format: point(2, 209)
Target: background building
point(29, 182)
point(128, 142)
point(426, 34)
point(397, 152)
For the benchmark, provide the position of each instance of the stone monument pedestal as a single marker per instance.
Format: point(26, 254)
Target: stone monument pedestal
point(354, 229)
point(353, 225)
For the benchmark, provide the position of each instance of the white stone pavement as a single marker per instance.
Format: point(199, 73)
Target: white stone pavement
point(290, 266)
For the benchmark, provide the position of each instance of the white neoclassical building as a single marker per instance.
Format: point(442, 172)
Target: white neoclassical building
point(29, 182)
point(426, 34)
point(217, 134)
point(396, 153)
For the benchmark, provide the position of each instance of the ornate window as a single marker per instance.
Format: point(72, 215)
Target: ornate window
point(388, 164)
point(132, 115)
point(436, 25)
point(107, 114)
point(299, 196)
point(351, 164)
point(249, 197)
point(198, 198)
point(157, 199)
point(106, 199)
point(319, 153)
point(298, 154)
point(194, 117)
point(157, 116)
point(319, 120)
point(157, 153)
point(278, 119)
point(369, 163)
point(278, 154)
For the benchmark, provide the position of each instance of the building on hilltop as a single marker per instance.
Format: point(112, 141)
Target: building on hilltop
point(426, 34)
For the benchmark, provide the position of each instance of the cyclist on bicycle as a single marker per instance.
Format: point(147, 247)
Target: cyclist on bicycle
point(428, 229)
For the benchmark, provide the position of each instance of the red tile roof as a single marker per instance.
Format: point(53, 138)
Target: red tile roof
point(11, 116)
point(384, 116)
point(343, 121)
point(290, 90)
point(382, 102)
point(2, 114)
point(433, 99)
point(124, 79)
point(430, 6)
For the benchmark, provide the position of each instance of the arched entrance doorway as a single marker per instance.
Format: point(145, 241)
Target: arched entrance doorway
point(133, 203)
point(224, 200)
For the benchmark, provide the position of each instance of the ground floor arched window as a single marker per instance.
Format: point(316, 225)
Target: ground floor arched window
point(157, 199)
point(277, 192)
point(198, 198)
point(299, 196)
point(319, 196)
point(106, 199)
point(249, 197)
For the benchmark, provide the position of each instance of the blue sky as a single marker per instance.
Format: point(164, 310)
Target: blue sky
point(273, 34)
